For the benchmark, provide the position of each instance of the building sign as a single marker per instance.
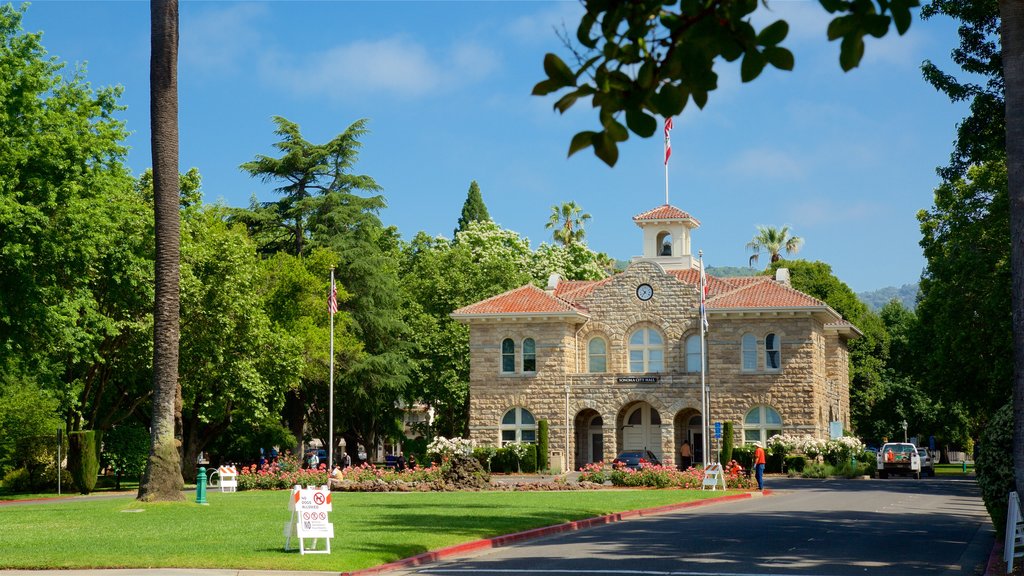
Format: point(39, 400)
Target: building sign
point(310, 508)
point(637, 379)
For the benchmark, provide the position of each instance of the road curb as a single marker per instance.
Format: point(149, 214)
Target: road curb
point(499, 541)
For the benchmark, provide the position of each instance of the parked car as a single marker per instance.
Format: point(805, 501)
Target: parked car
point(927, 465)
point(632, 459)
point(899, 458)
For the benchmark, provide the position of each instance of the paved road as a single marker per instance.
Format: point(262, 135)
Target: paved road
point(893, 527)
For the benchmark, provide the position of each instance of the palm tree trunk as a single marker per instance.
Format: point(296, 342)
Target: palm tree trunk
point(162, 479)
point(1011, 13)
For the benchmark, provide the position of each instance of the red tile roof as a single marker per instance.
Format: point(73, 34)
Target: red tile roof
point(528, 299)
point(724, 294)
point(664, 212)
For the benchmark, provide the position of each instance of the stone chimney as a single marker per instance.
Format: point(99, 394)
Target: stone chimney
point(782, 276)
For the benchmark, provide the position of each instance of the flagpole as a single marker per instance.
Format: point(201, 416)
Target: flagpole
point(668, 153)
point(704, 397)
point(331, 308)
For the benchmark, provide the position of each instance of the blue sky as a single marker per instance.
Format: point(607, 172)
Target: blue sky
point(845, 159)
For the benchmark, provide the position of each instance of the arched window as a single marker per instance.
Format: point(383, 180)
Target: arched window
point(529, 355)
point(749, 352)
point(646, 351)
point(772, 354)
point(760, 424)
point(693, 353)
point(518, 425)
point(597, 355)
point(508, 356)
point(664, 244)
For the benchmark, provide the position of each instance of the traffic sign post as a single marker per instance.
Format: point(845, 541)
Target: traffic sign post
point(310, 508)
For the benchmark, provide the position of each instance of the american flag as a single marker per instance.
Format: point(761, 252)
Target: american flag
point(668, 141)
point(332, 300)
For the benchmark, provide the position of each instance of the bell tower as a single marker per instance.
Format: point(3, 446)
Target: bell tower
point(667, 237)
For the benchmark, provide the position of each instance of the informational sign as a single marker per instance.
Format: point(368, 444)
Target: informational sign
point(718, 430)
point(835, 430)
point(637, 379)
point(310, 508)
point(713, 476)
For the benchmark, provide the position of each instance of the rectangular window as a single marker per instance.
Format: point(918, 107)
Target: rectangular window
point(636, 360)
point(529, 435)
point(655, 361)
point(508, 436)
point(508, 356)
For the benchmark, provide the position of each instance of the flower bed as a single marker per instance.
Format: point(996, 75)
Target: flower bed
point(657, 476)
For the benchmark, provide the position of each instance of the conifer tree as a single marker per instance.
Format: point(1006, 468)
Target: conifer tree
point(473, 209)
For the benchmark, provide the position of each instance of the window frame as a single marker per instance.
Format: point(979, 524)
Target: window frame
point(748, 350)
point(645, 348)
point(692, 356)
point(762, 429)
point(529, 356)
point(768, 353)
point(591, 355)
point(517, 426)
point(508, 357)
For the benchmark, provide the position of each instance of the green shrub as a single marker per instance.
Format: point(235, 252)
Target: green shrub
point(816, 470)
point(796, 463)
point(415, 447)
point(744, 455)
point(994, 465)
point(485, 455)
point(529, 463)
point(125, 450)
point(542, 445)
point(727, 441)
point(84, 458)
point(17, 481)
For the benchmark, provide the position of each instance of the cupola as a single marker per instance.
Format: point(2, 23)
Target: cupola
point(667, 237)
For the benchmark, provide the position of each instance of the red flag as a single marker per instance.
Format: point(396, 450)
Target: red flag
point(668, 141)
point(332, 301)
point(703, 296)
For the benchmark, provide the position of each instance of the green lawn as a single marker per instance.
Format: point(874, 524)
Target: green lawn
point(953, 469)
point(244, 530)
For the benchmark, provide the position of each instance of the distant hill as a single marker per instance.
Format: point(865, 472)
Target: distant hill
point(876, 299)
point(732, 271)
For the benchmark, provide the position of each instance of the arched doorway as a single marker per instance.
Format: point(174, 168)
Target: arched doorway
point(641, 428)
point(589, 427)
point(687, 424)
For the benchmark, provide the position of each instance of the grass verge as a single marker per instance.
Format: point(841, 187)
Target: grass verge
point(244, 530)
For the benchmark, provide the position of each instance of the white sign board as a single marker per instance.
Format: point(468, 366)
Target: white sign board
point(310, 508)
point(713, 476)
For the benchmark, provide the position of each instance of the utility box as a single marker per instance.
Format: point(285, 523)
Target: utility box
point(555, 461)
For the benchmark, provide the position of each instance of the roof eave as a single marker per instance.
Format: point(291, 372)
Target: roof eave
point(824, 313)
point(521, 316)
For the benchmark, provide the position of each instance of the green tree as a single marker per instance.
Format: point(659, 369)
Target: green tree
point(235, 364)
point(473, 209)
point(641, 60)
point(773, 241)
point(309, 174)
point(965, 330)
point(162, 480)
point(76, 263)
point(567, 221)
point(29, 419)
point(125, 449)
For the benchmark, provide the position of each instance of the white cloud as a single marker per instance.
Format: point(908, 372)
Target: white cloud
point(217, 40)
point(397, 66)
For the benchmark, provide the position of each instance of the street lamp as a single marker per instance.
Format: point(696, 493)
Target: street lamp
point(904, 424)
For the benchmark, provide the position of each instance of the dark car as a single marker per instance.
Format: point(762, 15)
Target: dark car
point(632, 459)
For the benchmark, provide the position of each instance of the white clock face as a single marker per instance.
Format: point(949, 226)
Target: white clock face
point(644, 292)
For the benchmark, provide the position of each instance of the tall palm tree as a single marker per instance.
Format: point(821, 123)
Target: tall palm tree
point(567, 221)
point(773, 240)
point(162, 479)
point(1012, 37)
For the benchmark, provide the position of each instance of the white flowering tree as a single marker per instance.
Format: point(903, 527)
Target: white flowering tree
point(446, 448)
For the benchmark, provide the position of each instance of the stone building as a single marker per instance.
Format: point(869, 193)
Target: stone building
point(615, 364)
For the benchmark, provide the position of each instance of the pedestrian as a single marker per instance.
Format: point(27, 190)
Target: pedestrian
point(685, 456)
point(412, 461)
point(759, 462)
point(314, 462)
point(400, 463)
point(346, 460)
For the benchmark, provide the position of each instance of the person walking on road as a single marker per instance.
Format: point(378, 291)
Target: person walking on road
point(759, 462)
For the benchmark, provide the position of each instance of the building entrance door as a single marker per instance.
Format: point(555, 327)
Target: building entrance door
point(642, 430)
